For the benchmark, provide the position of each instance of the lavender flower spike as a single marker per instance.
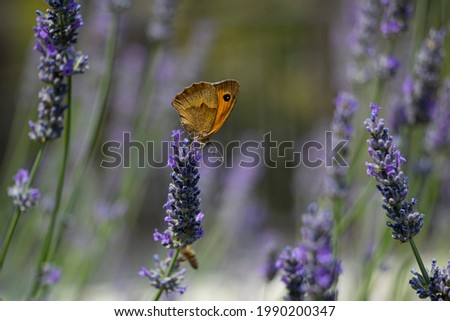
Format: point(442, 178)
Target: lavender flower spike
point(438, 134)
point(396, 14)
point(158, 278)
point(438, 289)
point(51, 274)
point(387, 66)
point(420, 90)
point(182, 208)
point(405, 222)
point(291, 264)
point(363, 41)
point(24, 196)
point(346, 105)
point(161, 26)
point(363, 36)
point(56, 34)
point(323, 268)
point(310, 270)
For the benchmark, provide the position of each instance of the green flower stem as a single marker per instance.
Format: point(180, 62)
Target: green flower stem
point(373, 263)
point(96, 125)
point(59, 191)
point(130, 186)
point(104, 88)
point(338, 206)
point(16, 216)
point(354, 212)
point(429, 198)
point(420, 26)
point(18, 145)
point(168, 272)
point(419, 261)
point(9, 235)
point(443, 13)
point(143, 111)
point(398, 283)
point(104, 232)
point(375, 259)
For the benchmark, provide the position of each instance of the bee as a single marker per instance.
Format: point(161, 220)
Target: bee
point(189, 255)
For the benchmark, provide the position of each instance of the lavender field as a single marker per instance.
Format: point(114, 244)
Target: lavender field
point(318, 170)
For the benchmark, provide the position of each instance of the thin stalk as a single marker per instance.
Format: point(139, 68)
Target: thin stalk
point(419, 261)
point(168, 272)
point(97, 120)
point(338, 206)
point(9, 235)
point(358, 207)
point(140, 122)
point(399, 280)
point(443, 15)
point(16, 216)
point(426, 22)
point(59, 191)
point(104, 87)
point(143, 111)
point(91, 265)
point(18, 145)
point(420, 26)
point(36, 163)
point(373, 263)
point(407, 146)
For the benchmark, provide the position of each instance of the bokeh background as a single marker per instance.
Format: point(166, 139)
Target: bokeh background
point(290, 58)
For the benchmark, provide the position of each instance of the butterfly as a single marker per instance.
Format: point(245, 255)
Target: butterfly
point(204, 107)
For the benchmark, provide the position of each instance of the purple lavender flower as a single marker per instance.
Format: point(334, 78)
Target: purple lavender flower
point(51, 274)
point(23, 196)
point(158, 278)
point(439, 287)
point(438, 133)
point(420, 91)
point(346, 105)
point(161, 27)
point(323, 268)
point(183, 214)
point(310, 270)
point(270, 249)
point(363, 40)
point(387, 66)
point(269, 270)
point(363, 36)
point(405, 222)
point(291, 264)
point(56, 34)
point(396, 15)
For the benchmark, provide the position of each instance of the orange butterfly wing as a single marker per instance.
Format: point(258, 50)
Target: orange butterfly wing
point(204, 107)
point(197, 107)
point(227, 93)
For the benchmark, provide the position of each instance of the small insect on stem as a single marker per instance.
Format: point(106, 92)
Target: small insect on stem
point(188, 254)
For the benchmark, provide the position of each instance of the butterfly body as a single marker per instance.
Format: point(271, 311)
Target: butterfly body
point(204, 107)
